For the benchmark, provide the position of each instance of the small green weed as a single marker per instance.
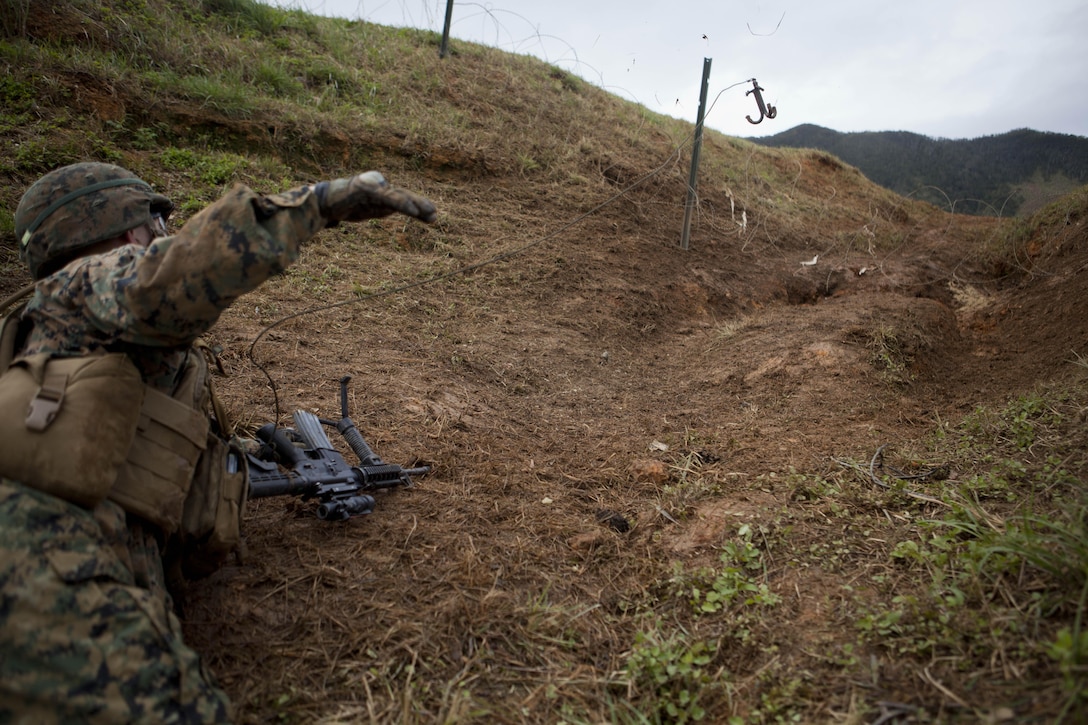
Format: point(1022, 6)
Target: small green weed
point(1019, 424)
point(737, 582)
point(669, 673)
point(1069, 650)
point(41, 155)
point(7, 222)
point(527, 164)
point(16, 96)
point(176, 159)
point(780, 701)
point(213, 169)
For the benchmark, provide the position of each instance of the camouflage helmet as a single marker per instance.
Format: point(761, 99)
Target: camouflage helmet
point(76, 206)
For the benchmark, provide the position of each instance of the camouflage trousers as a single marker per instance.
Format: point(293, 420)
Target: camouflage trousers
point(87, 628)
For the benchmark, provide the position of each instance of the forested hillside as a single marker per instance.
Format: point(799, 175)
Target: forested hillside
point(1011, 174)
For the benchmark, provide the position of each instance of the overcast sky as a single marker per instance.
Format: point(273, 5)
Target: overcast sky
point(943, 68)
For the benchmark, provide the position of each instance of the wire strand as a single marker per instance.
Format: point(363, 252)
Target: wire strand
point(673, 156)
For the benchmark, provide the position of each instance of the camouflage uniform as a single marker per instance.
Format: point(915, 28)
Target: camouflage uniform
point(86, 624)
point(87, 629)
point(153, 303)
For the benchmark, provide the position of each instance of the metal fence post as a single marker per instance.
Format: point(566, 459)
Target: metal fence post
point(685, 236)
point(444, 50)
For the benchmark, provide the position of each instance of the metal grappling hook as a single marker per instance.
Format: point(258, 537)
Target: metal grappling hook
point(765, 111)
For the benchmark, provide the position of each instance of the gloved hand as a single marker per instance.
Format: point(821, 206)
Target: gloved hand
point(369, 196)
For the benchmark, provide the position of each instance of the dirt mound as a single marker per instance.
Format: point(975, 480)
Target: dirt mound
point(606, 416)
point(562, 396)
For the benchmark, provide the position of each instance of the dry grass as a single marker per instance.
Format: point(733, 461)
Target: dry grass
point(638, 509)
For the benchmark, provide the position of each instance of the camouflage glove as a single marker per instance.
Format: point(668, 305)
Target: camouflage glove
point(369, 196)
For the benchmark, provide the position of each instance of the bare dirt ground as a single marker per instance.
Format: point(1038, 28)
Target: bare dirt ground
point(599, 408)
point(603, 412)
point(563, 396)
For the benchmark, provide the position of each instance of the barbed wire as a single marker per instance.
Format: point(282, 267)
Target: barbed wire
point(493, 26)
point(673, 157)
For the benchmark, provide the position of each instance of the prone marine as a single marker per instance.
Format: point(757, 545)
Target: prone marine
point(115, 472)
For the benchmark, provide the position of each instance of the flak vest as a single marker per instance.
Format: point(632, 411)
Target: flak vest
point(87, 429)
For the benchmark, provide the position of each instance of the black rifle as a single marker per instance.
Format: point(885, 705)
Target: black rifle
point(317, 471)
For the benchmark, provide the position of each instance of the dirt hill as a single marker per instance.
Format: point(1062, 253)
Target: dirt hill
point(662, 480)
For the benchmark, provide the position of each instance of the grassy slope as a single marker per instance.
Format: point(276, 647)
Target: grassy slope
point(196, 95)
point(272, 98)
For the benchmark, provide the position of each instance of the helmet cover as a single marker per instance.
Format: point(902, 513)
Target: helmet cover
point(76, 206)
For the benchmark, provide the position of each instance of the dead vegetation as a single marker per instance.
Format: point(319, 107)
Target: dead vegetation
point(656, 492)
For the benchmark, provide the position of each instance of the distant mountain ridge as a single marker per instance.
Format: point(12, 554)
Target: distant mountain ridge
point(1010, 174)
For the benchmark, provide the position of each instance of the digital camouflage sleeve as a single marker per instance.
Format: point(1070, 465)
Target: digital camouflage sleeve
point(153, 303)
